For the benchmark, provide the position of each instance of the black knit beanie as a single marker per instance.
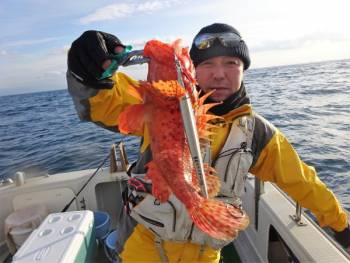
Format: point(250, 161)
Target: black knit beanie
point(217, 49)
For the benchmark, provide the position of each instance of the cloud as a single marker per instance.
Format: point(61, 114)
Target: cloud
point(308, 51)
point(298, 42)
point(109, 12)
point(60, 51)
point(53, 73)
point(121, 10)
point(45, 71)
point(140, 43)
point(29, 42)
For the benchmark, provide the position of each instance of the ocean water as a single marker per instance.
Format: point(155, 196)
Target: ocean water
point(310, 103)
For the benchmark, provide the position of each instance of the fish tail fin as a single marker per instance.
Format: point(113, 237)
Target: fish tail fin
point(132, 119)
point(219, 220)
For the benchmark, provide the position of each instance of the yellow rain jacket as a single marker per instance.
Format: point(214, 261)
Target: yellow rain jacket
point(275, 161)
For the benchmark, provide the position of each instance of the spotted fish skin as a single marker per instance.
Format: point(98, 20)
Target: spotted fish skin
point(171, 169)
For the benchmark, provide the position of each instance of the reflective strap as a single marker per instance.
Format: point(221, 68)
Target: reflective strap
point(159, 245)
point(250, 126)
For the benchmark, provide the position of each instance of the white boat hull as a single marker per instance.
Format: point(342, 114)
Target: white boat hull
point(261, 242)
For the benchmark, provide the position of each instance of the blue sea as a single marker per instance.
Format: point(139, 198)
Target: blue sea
point(310, 103)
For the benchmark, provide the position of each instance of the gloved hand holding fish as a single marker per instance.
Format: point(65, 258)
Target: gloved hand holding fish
point(172, 170)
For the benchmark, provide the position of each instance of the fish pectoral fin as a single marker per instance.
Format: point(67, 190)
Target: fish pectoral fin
point(132, 119)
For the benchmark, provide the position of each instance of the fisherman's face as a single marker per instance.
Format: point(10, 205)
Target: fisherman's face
point(223, 74)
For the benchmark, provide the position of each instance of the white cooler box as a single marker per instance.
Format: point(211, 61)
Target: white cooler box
point(62, 237)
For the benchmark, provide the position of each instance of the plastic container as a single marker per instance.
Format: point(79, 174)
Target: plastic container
point(102, 223)
point(20, 224)
point(62, 237)
point(110, 247)
point(20, 234)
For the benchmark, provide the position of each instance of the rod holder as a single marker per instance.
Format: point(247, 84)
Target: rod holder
point(118, 160)
point(297, 216)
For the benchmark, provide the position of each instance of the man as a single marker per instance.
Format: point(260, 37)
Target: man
point(245, 142)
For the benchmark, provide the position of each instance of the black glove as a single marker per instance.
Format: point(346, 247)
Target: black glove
point(343, 238)
point(87, 54)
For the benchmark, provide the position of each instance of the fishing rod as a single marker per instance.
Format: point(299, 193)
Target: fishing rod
point(86, 183)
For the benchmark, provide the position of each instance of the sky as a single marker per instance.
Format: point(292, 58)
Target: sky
point(36, 34)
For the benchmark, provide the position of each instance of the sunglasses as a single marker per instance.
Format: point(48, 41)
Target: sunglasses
point(227, 39)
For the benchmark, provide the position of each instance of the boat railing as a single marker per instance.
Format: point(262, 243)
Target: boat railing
point(297, 217)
